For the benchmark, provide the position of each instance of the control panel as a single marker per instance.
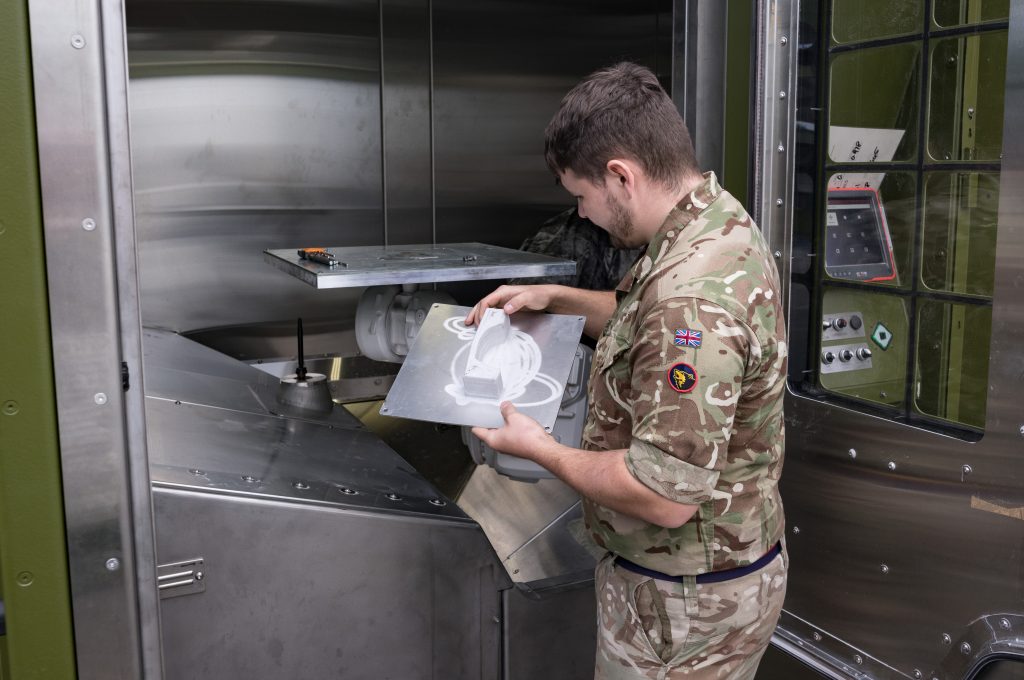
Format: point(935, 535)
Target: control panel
point(857, 244)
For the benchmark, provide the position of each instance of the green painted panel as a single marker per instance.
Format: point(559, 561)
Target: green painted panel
point(33, 558)
point(738, 86)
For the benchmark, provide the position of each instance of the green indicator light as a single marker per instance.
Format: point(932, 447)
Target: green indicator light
point(881, 336)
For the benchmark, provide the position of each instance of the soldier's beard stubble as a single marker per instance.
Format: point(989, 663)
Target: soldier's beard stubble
point(620, 226)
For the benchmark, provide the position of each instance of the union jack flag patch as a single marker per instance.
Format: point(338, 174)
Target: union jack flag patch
point(687, 338)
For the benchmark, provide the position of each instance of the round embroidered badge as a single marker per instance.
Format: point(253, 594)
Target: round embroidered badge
point(682, 378)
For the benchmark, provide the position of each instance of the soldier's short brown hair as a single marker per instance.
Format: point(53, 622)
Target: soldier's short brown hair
point(620, 112)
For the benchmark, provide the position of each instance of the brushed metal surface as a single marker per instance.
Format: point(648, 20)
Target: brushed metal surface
point(420, 263)
point(304, 591)
point(428, 384)
point(85, 180)
point(897, 549)
point(500, 70)
point(254, 126)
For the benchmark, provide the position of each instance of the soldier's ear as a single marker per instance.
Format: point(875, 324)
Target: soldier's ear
point(622, 174)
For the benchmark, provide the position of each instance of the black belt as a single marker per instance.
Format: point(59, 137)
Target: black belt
point(710, 577)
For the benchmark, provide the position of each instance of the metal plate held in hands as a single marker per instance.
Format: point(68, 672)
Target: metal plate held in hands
point(181, 578)
point(387, 265)
point(535, 365)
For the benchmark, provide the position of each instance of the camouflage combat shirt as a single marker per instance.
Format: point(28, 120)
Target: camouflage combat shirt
point(689, 376)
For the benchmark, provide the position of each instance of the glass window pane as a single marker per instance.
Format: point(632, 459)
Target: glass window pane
point(873, 104)
point(897, 192)
point(860, 320)
point(959, 12)
point(952, 361)
point(965, 108)
point(958, 242)
point(857, 20)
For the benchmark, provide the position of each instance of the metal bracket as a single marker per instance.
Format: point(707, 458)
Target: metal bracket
point(181, 578)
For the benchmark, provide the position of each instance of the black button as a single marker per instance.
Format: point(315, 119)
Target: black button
point(855, 323)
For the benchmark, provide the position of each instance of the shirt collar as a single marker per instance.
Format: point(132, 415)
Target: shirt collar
point(688, 209)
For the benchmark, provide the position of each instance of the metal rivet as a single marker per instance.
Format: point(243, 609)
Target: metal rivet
point(883, 395)
point(1004, 624)
point(249, 479)
point(392, 496)
point(200, 576)
point(778, 254)
point(438, 502)
point(197, 472)
point(301, 486)
point(25, 578)
point(853, 453)
point(782, 95)
point(796, 530)
point(515, 571)
point(778, 202)
point(113, 564)
point(100, 398)
point(88, 224)
point(918, 674)
point(817, 636)
point(783, 40)
point(946, 639)
point(965, 649)
point(858, 659)
point(891, 465)
point(77, 41)
point(347, 491)
point(11, 407)
point(970, 112)
point(1021, 430)
point(885, 568)
point(781, 148)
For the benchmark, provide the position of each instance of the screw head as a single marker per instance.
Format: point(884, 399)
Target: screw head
point(100, 398)
point(967, 469)
point(778, 202)
point(965, 649)
point(918, 674)
point(25, 578)
point(249, 479)
point(781, 149)
point(796, 530)
point(853, 453)
point(197, 472)
point(392, 496)
point(88, 224)
point(11, 407)
point(783, 40)
point(782, 95)
point(858, 659)
point(113, 564)
point(1021, 430)
point(816, 636)
point(1004, 623)
point(200, 576)
point(438, 502)
point(301, 486)
point(778, 254)
point(347, 491)
point(946, 639)
point(885, 568)
point(891, 466)
point(77, 41)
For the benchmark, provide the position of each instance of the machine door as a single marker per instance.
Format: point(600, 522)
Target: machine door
point(903, 480)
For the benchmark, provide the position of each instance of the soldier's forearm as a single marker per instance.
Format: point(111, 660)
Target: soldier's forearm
point(602, 476)
point(596, 305)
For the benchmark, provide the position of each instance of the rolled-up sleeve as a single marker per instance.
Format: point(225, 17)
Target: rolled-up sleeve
point(685, 395)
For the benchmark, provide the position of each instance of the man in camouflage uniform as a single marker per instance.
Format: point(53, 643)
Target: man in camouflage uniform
point(683, 444)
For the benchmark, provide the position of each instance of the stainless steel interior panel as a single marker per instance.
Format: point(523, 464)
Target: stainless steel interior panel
point(526, 524)
point(500, 70)
point(406, 71)
point(86, 189)
point(550, 638)
point(903, 540)
point(254, 126)
point(301, 591)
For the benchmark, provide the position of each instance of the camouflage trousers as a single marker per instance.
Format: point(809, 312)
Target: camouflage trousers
point(666, 630)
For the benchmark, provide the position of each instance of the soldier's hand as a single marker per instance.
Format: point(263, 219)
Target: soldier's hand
point(511, 299)
point(520, 436)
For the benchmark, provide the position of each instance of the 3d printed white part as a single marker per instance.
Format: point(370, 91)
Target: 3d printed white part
point(482, 377)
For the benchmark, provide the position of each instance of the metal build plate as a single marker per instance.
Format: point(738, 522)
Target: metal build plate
point(535, 365)
point(385, 265)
